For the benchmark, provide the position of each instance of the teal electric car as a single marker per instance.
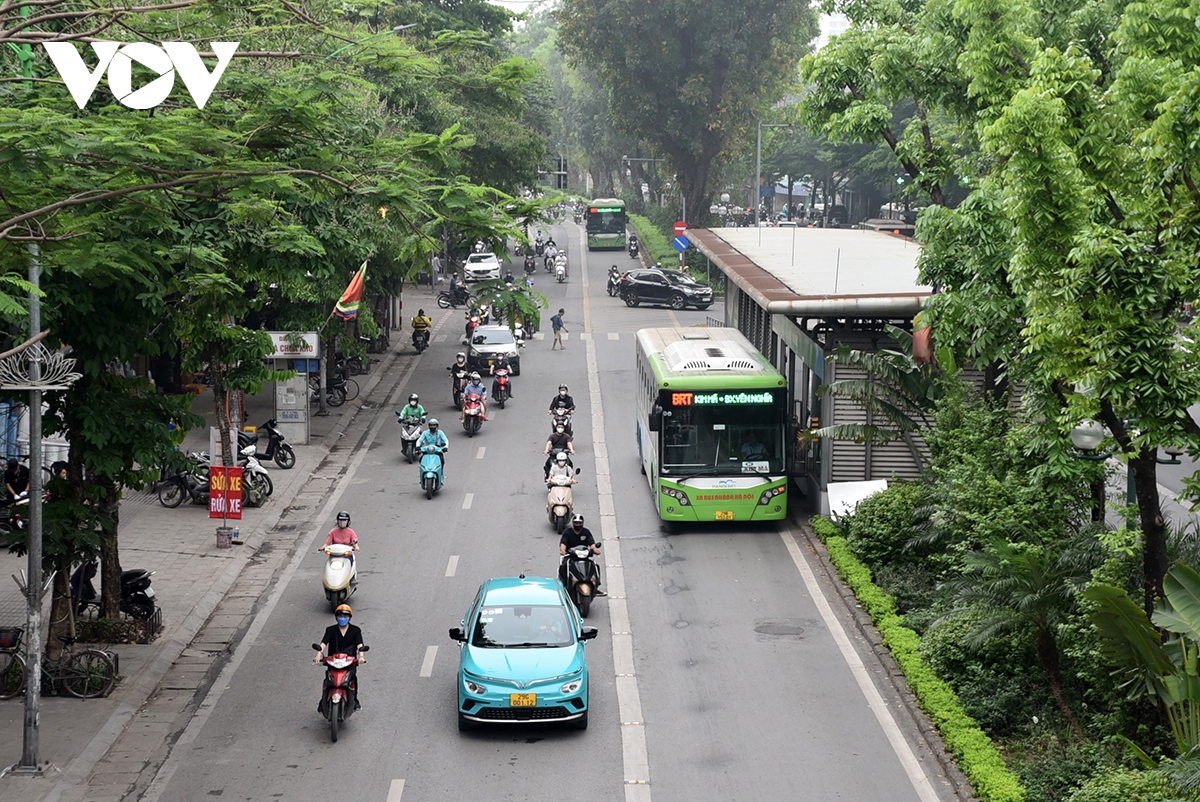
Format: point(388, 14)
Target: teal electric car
point(521, 656)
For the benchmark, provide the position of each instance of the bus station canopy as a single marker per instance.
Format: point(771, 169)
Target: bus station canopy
point(819, 272)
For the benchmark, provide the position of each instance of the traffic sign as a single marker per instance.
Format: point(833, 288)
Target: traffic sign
point(680, 243)
point(680, 227)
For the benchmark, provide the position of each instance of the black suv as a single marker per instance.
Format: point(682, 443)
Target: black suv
point(670, 287)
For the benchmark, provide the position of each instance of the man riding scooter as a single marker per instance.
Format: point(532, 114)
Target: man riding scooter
point(577, 535)
point(421, 325)
point(433, 443)
point(343, 638)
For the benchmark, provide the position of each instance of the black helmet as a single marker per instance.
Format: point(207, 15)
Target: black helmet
point(343, 516)
point(420, 313)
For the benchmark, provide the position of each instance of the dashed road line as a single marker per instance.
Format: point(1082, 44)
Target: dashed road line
point(479, 453)
point(395, 791)
point(613, 335)
point(452, 565)
point(467, 501)
point(427, 663)
point(439, 338)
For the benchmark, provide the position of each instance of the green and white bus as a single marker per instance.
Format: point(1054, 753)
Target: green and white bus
point(711, 426)
point(605, 223)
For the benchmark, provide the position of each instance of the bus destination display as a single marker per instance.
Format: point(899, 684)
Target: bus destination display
point(716, 399)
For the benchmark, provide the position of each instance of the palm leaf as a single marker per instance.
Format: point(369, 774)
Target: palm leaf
point(1127, 638)
point(1182, 612)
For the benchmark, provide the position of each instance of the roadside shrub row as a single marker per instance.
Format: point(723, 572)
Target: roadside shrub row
point(655, 244)
point(977, 756)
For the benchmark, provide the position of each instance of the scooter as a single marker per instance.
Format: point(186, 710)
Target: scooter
point(432, 468)
point(277, 447)
point(561, 417)
point(420, 339)
point(339, 695)
point(446, 299)
point(614, 280)
point(560, 272)
point(187, 483)
point(472, 414)
point(473, 321)
point(500, 386)
point(258, 484)
point(410, 432)
point(558, 501)
point(137, 597)
point(530, 265)
point(539, 247)
point(634, 249)
point(583, 577)
point(458, 380)
point(341, 574)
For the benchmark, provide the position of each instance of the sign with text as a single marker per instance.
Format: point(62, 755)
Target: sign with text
point(715, 399)
point(294, 343)
point(225, 492)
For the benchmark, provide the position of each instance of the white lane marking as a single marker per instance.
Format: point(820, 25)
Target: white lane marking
point(539, 335)
point(585, 335)
point(395, 791)
point(452, 565)
point(467, 501)
point(634, 752)
point(566, 335)
point(912, 766)
point(612, 335)
point(427, 665)
point(159, 784)
point(437, 338)
point(479, 453)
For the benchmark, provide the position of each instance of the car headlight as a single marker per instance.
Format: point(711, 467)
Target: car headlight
point(678, 495)
point(767, 495)
point(572, 686)
point(474, 687)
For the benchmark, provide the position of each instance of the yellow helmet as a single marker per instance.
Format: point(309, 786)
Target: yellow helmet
point(343, 608)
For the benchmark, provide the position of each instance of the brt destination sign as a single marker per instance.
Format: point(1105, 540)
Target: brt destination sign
point(721, 399)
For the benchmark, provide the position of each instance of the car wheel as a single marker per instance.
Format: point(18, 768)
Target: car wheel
point(631, 298)
point(677, 301)
point(581, 722)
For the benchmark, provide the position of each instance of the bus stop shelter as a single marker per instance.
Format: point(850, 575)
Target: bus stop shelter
point(798, 293)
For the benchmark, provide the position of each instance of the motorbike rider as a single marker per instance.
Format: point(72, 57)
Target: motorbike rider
point(550, 243)
point(342, 534)
point(433, 436)
point(530, 264)
point(509, 278)
point(560, 468)
point(502, 363)
point(421, 323)
point(343, 638)
point(458, 293)
point(475, 386)
point(577, 535)
point(558, 442)
point(562, 401)
point(413, 409)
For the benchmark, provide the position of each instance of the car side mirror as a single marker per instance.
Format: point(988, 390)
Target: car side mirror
point(587, 633)
point(456, 633)
point(656, 418)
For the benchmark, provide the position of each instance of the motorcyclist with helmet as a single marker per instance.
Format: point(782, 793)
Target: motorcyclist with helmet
point(558, 442)
point(343, 638)
point(475, 386)
point(413, 409)
point(342, 534)
point(561, 468)
point(502, 362)
point(562, 401)
point(577, 535)
point(433, 436)
point(421, 326)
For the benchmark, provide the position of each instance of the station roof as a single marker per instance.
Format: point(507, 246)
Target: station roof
point(819, 272)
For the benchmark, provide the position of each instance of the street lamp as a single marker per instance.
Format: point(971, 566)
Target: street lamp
point(395, 30)
point(1087, 437)
point(758, 171)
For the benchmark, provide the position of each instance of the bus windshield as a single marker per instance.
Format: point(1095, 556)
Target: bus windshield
point(726, 439)
point(606, 220)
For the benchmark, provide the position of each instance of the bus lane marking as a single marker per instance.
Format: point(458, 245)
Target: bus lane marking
point(427, 664)
point(613, 335)
point(479, 453)
point(395, 791)
point(467, 501)
point(452, 565)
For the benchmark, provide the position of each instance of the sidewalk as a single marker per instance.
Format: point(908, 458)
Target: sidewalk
point(98, 749)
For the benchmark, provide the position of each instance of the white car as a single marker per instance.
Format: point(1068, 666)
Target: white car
point(482, 266)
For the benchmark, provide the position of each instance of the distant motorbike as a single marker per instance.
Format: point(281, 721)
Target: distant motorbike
point(472, 414)
point(410, 432)
point(432, 469)
point(560, 272)
point(500, 386)
point(582, 577)
point(614, 280)
point(473, 322)
point(137, 597)
point(530, 265)
point(458, 380)
point(277, 447)
point(560, 417)
point(339, 694)
point(420, 339)
point(446, 299)
point(634, 247)
point(340, 577)
point(559, 502)
point(539, 247)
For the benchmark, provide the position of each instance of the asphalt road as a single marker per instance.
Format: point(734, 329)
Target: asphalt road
point(742, 689)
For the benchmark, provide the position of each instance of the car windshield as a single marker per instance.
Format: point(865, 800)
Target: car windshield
point(482, 257)
point(722, 440)
point(496, 337)
point(522, 627)
point(679, 278)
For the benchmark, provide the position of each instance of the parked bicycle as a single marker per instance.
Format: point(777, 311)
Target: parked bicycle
point(86, 674)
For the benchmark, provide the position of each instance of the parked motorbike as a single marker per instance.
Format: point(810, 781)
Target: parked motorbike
point(277, 447)
point(340, 577)
point(432, 469)
point(339, 695)
point(558, 501)
point(500, 386)
point(472, 414)
point(410, 432)
point(14, 512)
point(189, 482)
point(137, 597)
point(458, 380)
point(614, 280)
point(257, 482)
point(420, 339)
point(583, 577)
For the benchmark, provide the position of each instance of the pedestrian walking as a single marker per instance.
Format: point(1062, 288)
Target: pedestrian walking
point(557, 322)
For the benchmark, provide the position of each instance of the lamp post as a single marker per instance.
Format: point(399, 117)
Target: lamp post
point(395, 30)
point(1087, 437)
point(758, 171)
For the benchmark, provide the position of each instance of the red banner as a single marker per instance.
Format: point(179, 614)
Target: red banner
point(225, 492)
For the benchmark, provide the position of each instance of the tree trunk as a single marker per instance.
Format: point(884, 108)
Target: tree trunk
point(110, 560)
point(62, 621)
point(1154, 529)
point(1047, 649)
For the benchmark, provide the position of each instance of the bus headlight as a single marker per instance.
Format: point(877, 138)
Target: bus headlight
point(767, 495)
point(678, 495)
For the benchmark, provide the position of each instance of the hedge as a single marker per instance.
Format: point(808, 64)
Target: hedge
point(655, 244)
point(977, 756)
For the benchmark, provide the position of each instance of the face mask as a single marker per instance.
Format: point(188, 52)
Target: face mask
point(343, 620)
point(562, 393)
point(561, 430)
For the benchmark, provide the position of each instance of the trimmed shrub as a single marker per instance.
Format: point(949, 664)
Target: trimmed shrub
point(655, 244)
point(883, 523)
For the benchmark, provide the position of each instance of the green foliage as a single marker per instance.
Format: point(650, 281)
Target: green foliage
point(1124, 785)
point(883, 523)
point(974, 751)
point(654, 242)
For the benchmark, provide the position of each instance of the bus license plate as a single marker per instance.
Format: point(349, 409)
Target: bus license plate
point(724, 515)
point(522, 699)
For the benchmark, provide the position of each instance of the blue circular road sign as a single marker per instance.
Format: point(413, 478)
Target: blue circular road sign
point(680, 243)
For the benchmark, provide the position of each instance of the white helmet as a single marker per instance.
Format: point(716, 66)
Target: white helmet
point(562, 457)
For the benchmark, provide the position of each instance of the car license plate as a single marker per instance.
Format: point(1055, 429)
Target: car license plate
point(724, 515)
point(522, 699)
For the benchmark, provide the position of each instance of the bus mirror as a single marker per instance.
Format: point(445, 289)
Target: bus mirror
point(656, 418)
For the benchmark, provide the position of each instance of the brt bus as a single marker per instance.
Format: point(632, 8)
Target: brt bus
point(605, 223)
point(711, 426)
